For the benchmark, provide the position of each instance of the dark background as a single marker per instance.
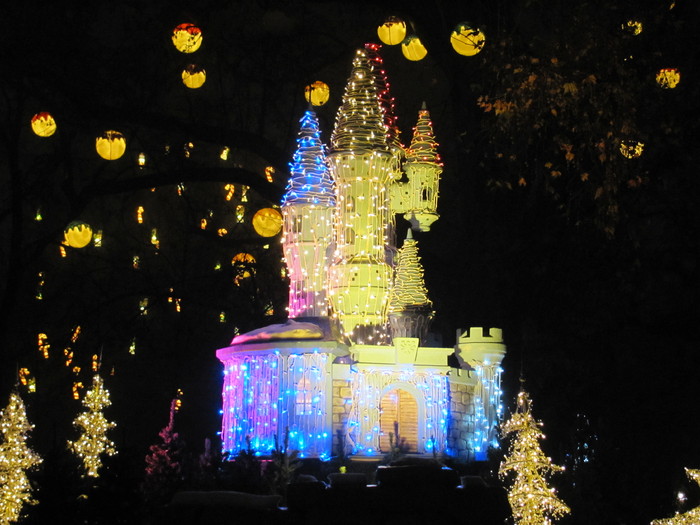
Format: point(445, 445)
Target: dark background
point(589, 264)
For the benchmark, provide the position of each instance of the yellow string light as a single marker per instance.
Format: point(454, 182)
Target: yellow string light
point(93, 441)
point(691, 517)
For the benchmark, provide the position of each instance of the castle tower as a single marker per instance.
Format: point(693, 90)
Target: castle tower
point(410, 310)
point(417, 199)
point(361, 164)
point(307, 208)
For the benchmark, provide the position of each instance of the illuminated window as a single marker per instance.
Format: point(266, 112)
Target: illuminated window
point(304, 402)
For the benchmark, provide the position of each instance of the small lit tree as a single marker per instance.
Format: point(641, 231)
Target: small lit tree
point(93, 441)
point(531, 499)
point(164, 463)
point(692, 517)
point(16, 458)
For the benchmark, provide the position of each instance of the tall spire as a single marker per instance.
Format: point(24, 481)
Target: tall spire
point(385, 99)
point(307, 208)
point(423, 146)
point(310, 181)
point(409, 289)
point(359, 123)
point(410, 310)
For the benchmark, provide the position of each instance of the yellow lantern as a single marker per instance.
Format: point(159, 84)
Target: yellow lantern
point(111, 145)
point(267, 222)
point(467, 40)
point(187, 38)
point(668, 78)
point(77, 234)
point(194, 76)
point(392, 32)
point(43, 124)
point(413, 49)
point(318, 93)
point(633, 27)
point(631, 149)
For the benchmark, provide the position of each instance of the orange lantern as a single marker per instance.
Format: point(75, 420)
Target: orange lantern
point(43, 124)
point(317, 93)
point(111, 145)
point(467, 40)
point(392, 32)
point(267, 222)
point(413, 49)
point(77, 234)
point(193, 76)
point(187, 38)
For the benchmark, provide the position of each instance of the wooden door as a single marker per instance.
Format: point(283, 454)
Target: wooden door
point(398, 406)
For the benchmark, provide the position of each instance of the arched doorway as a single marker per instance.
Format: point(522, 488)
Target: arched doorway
point(398, 406)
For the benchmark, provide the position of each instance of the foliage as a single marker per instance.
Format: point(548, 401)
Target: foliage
point(280, 470)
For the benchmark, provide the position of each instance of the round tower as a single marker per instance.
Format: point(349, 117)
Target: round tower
point(307, 208)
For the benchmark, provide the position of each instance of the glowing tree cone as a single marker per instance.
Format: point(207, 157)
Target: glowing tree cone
point(692, 517)
point(93, 441)
point(16, 458)
point(531, 499)
point(386, 101)
point(164, 463)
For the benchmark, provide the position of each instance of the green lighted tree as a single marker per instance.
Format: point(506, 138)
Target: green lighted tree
point(531, 499)
point(16, 458)
point(93, 441)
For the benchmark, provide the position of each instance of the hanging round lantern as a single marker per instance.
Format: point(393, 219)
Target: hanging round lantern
point(267, 222)
point(467, 40)
point(318, 93)
point(634, 27)
point(392, 32)
point(631, 149)
point(668, 78)
point(413, 49)
point(194, 76)
point(111, 145)
point(43, 124)
point(187, 38)
point(77, 234)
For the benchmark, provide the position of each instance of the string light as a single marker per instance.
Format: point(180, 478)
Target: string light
point(76, 333)
point(231, 189)
point(691, 517)
point(139, 214)
point(531, 500)
point(43, 345)
point(40, 287)
point(16, 458)
point(93, 425)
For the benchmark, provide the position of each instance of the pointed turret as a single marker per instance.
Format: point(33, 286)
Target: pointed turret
point(410, 310)
point(417, 199)
point(361, 163)
point(307, 207)
point(386, 101)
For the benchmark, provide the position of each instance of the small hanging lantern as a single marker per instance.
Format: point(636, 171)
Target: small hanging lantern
point(194, 76)
point(111, 145)
point(413, 49)
point(267, 222)
point(668, 78)
point(318, 93)
point(77, 234)
point(43, 124)
point(634, 27)
point(631, 149)
point(392, 32)
point(187, 38)
point(467, 40)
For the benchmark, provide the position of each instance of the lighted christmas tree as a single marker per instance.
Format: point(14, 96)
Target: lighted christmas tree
point(93, 441)
point(692, 517)
point(164, 463)
point(16, 458)
point(423, 146)
point(532, 500)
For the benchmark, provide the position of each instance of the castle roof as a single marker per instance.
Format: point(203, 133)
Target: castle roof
point(359, 123)
point(310, 181)
point(423, 146)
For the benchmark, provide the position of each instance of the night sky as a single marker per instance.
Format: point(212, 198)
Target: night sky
point(587, 260)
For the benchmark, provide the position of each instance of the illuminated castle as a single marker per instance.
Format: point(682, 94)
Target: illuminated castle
point(350, 365)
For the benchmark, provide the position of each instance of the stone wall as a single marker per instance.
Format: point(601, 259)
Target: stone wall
point(342, 399)
point(461, 428)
